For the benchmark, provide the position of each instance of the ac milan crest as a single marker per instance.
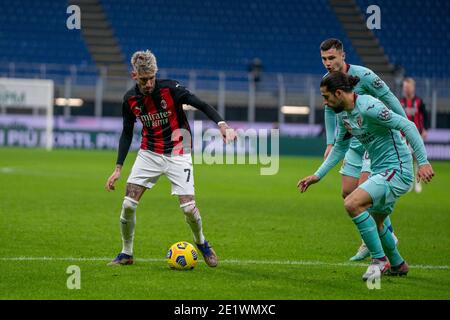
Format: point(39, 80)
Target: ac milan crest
point(163, 104)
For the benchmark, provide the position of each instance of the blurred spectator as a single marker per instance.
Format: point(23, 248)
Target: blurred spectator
point(255, 68)
point(416, 112)
point(414, 106)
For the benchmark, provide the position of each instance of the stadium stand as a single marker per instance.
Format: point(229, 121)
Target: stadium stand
point(227, 35)
point(33, 34)
point(415, 35)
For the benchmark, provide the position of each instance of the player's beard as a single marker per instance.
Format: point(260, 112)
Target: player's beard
point(338, 109)
point(145, 91)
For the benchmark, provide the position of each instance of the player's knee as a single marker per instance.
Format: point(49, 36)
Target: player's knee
point(190, 210)
point(352, 206)
point(129, 205)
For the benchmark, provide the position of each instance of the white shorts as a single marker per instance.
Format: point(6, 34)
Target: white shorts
point(149, 166)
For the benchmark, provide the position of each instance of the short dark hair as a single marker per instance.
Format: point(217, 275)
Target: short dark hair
point(338, 80)
point(331, 43)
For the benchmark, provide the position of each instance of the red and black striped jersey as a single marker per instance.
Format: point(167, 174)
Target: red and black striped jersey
point(164, 122)
point(161, 114)
point(415, 111)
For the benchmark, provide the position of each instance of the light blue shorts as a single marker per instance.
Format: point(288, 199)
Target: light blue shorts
point(385, 188)
point(352, 164)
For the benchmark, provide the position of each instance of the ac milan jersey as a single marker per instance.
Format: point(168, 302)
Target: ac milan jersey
point(161, 114)
point(415, 111)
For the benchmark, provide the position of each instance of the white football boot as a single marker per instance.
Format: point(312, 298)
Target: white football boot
point(362, 253)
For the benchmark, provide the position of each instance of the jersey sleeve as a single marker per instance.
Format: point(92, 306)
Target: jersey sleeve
point(184, 96)
point(379, 114)
point(330, 124)
point(337, 152)
point(127, 132)
point(373, 84)
point(179, 92)
point(127, 115)
point(391, 101)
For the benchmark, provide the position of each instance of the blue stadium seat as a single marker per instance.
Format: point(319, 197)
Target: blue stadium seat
point(35, 31)
point(414, 34)
point(227, 35)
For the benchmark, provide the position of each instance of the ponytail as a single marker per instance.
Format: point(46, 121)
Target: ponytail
point(337, 80)
point(353, 81)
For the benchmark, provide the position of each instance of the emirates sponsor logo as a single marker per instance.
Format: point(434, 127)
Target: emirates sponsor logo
point(155, 119)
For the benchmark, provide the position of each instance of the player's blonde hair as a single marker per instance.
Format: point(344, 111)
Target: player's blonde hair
point(144, 62)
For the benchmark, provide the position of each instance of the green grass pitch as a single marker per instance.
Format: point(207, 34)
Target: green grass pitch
point(273, 243)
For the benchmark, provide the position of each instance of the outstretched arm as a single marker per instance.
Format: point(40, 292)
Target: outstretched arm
point(187, 97)
point(379, 89)
point(228, 133)
point(124, 143)
point(330, 129)
point(330, 124)
point(381, 115)
point(208, 110)
point(391, 101)
point(337, 154)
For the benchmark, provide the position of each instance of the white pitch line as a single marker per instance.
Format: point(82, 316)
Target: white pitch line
point(229, 261)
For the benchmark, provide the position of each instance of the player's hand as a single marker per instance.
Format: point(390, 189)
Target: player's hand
point(425, 173)
point(303, 184)
point(228, 134)
point(327, 151)
point(112, 179)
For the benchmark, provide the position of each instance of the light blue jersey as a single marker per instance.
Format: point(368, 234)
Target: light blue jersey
point(376, 127)
point(355, 160)
point(369, 84)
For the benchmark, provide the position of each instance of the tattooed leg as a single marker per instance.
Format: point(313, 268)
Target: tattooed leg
point(134, 191)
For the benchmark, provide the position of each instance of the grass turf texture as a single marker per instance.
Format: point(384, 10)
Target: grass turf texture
point(53, 204)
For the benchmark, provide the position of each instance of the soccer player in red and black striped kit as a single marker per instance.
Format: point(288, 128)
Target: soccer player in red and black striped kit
point(416, 112)
point(165, 150)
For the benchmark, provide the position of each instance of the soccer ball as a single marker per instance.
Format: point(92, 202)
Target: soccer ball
point(182, 256)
